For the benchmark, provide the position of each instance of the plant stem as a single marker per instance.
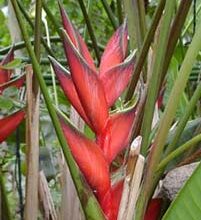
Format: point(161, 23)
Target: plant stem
point(152, 177)
point(49, 51)
point(21, 44)
point(178, 152)
point(90, 205)
point(5, 204)
point(144, 50)
point(90, 30)
point(33, 115)
point(44, 61)
point(175, 33)
point(154, 83)
point(119, 11)
point(110, 14)
point(182, 123)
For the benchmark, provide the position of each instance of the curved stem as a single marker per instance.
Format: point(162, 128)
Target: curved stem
point(178, 152)
point(182, 123)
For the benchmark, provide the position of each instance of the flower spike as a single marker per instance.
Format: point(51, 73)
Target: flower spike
point(88, 87)
point(10, 123)
point(76, 38)
point(115, 51)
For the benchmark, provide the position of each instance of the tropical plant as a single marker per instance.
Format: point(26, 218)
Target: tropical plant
point(136, 105)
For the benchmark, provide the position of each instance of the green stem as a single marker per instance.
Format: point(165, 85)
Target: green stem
point(119, 11)
point(20, 45)
point(154, 83)
point(6, 213)
point(110, 14)
point(37, 30)
point(53, 39)
point(180, 150)
point(182, 123)
point(144, 50)
point(175, 33)
point(23, 10)
point(190, 21)
point(44, 61)
point(89, 4)
point(89, 203)
point(152, 177)
point(90, 30)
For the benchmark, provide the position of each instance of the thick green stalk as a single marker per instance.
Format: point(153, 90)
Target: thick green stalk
point(152, 177)
point(90, 205)
point(182, 123)
point(180, 150)
point(144, 50)
point(49, 51)
point(154, 83)
point(110, 14)
point(90, 30)
point(4, 199)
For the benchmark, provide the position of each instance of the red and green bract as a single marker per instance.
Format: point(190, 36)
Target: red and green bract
point(92, 92)
point(9, 124)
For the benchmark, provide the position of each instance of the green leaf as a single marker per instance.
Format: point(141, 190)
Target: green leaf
point(10, 92)
point(5, 103)
point(186, 206)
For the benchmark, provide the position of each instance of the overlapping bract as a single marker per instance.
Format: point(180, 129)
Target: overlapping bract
point(92, 92)
point(9, 124)
point(5, 75)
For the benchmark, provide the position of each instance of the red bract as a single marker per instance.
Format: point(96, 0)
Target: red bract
point(5, 75)
point(92, 92)
point(10, 123)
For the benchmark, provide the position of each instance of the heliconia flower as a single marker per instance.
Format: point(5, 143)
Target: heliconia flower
point(10, 123)
point(5, 75)
point(92, 92)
